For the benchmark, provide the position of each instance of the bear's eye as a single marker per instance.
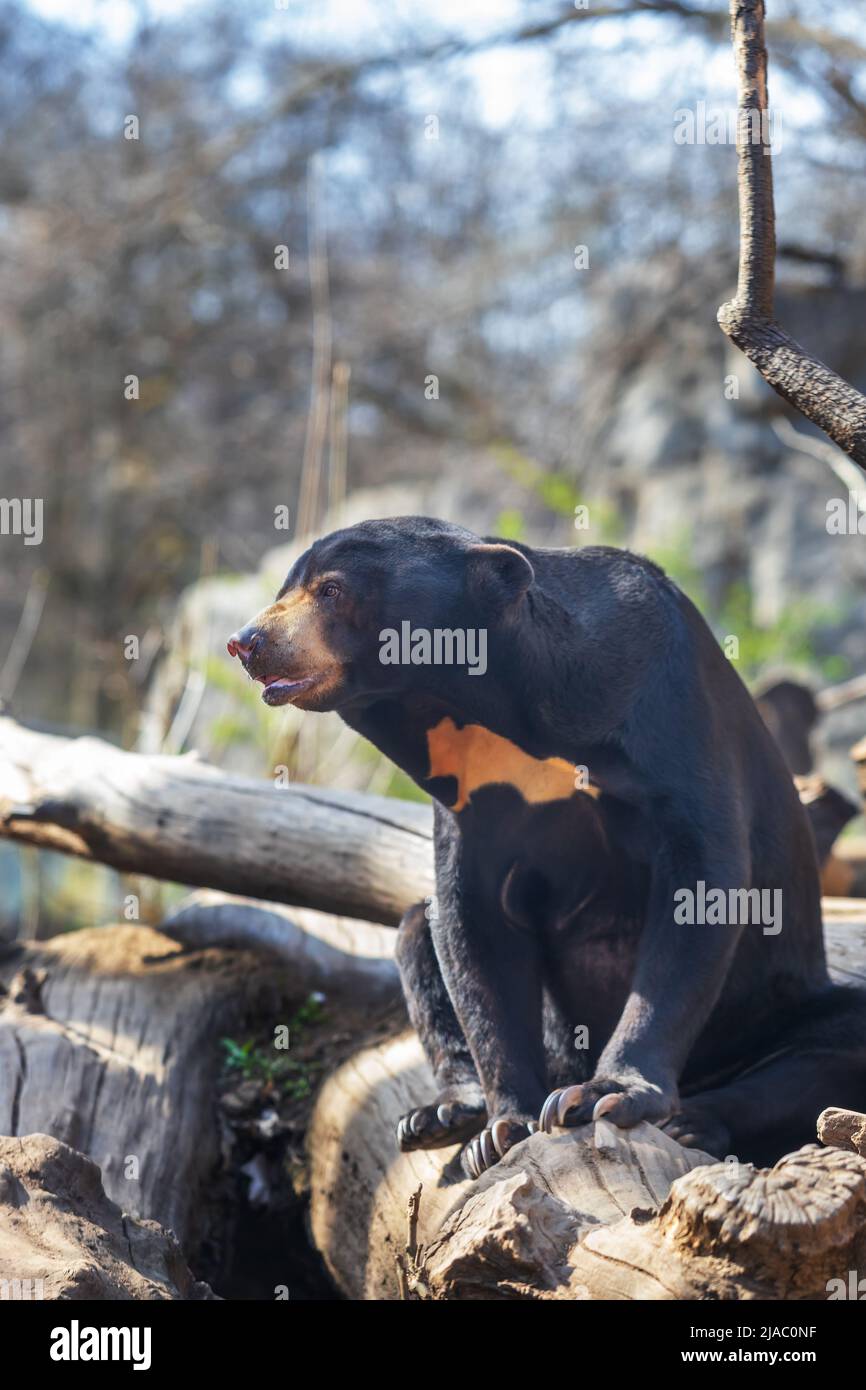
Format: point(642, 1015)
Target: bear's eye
point(330, 589)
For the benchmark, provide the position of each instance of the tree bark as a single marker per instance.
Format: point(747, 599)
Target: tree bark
point(562, 1218)
point(109, 1042)
point(179, 819)
point(334, 954)
point(843, 1129)
point(818, 392)
point(592, 1213)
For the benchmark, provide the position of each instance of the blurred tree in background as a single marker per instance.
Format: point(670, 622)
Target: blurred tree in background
point(430, 176)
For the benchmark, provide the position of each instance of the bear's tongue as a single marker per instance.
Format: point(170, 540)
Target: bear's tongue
point(279, 689)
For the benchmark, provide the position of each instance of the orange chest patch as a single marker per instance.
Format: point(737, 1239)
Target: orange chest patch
point(476, 758)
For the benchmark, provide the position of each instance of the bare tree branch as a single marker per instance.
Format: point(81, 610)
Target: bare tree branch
point(823, 397)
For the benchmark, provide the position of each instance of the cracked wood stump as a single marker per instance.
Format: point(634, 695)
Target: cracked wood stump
point(109, 1041)
point(592, 1213)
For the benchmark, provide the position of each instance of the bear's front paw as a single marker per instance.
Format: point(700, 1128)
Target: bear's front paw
point(493, 1143)
point(625, 1099)
point(699, 1127)
point(451, 1119)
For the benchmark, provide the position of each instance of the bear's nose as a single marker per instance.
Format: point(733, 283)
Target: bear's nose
point(244, 643)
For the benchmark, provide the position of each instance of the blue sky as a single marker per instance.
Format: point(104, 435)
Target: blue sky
point(510, 83)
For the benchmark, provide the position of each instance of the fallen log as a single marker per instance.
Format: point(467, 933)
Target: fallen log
point(179, 819)
point(845, 939)
point(128, 1021)
point(109, 1042)
point(591, 1213)
point(334, 954)
point(62, 1238)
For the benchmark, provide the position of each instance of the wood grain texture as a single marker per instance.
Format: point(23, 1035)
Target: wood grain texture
point(339, 955)
point(585, 1214)
point(109, 1041)
point(179, 819)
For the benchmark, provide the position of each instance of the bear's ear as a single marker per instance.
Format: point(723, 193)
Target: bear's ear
point(498, 574)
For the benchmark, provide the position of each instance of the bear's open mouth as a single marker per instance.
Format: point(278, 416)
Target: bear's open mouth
point(280, 690)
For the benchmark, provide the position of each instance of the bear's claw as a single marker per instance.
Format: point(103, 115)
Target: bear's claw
point(493, 1143)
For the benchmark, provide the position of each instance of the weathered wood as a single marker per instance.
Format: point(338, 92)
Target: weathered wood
point(62, 1238)
point(109, 1041)
point(553, 1219)
point(843, 1129)
point(337, 953)
point(179, 819)
point(592, 1213)
point(334, 954)
point(731, 1231)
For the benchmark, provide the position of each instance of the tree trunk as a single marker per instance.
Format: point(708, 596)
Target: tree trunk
point(583, 1214)
point(109, 1041)
point(591, 1213)
point(179, 819)
point(336, 954)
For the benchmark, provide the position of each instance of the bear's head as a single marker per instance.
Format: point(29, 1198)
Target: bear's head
point(347, 625)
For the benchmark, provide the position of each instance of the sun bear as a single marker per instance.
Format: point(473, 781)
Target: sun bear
point(627, 914)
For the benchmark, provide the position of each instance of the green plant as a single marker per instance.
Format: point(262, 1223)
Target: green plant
point(257, 1061)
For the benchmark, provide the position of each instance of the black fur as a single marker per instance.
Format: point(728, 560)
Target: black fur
point(560, 914)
